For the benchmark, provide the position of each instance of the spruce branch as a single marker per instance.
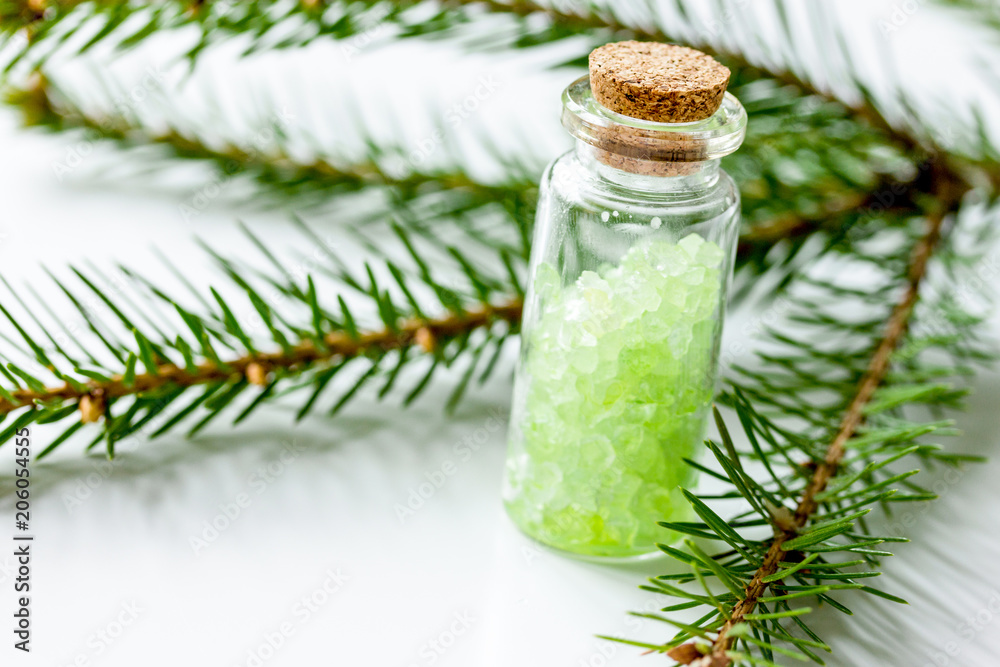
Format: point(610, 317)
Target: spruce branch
point(904, 129)
point(305, 345)
point(788, 529)
point(263, 22)
point(845, 182)
point(847, 179)
point(92, 392)
point(42, 104)
point(804, 534)
point(291, 332)
point(254, 367)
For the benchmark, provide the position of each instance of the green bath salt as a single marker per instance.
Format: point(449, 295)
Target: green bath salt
point(618, 374)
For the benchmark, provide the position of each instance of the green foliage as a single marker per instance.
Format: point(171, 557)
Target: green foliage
point(732, 33)
point(793, 543)
point(151, 363)
point(441, 279)
point(806, 165)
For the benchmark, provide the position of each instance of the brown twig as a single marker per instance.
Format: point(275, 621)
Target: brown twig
point(421, 333)
point(949, 194)
point(338, 345)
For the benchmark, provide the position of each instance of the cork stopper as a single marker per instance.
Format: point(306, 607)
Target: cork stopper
point(663, 83)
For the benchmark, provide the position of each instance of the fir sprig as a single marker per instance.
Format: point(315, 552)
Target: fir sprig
point(789, 536)
point(134, 353)
point(816, 484)
point(271, 330)
point(805, 165)
point(44, 105)
point(734, 39)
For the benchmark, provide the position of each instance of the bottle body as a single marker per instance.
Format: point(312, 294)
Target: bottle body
point(620, 336)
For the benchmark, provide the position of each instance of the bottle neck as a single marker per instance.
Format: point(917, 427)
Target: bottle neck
point(648, 175)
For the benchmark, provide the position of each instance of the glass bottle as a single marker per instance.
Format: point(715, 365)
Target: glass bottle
point(631, 261)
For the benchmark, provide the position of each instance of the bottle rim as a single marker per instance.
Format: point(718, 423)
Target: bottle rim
point(711, 138)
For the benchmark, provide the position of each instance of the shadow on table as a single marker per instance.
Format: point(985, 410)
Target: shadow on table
point(947, 572)
point(381, 429)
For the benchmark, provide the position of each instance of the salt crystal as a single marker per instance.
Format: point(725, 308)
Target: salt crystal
point(610, 408)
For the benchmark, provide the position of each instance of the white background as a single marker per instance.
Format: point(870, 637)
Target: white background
point(455, 572)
